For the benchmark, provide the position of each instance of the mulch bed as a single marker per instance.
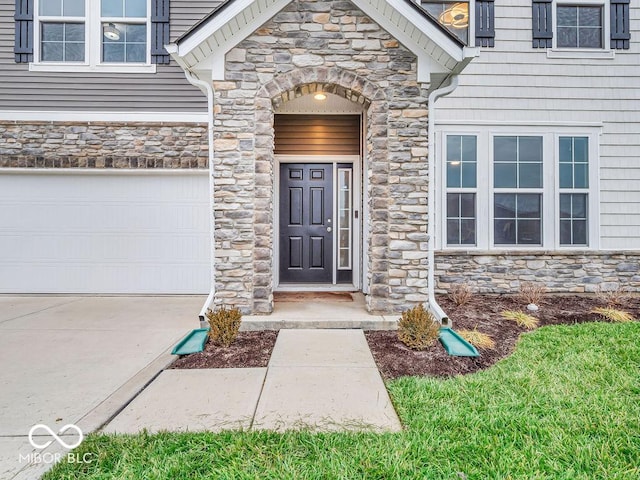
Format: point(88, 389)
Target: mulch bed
point(394, 359)
point(250, 349)
point(482, 312)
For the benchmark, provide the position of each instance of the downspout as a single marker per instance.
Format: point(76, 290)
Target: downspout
point(208, 89)
point(431, 158)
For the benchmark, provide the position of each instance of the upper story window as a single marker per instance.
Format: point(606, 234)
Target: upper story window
point(452, 15)
point(579, 26)
point(588, 25)
point(92, 35)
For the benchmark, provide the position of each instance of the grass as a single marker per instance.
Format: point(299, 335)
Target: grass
point(566, 405)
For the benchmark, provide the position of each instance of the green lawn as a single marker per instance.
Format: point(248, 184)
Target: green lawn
point(566, 405)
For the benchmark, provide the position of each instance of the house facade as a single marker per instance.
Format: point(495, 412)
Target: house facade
point(245, 147)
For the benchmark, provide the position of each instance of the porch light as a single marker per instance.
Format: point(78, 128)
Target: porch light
point(320, 96)
point(456, 16)
point(111, 32)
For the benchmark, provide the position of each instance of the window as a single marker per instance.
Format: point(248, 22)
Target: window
point(124, 27)
point(518, 188)
point(101, 35)
point(517, 165)
point(592, 27)
point(62, 31)
point(579, 26)
point(574, 185)
point(454, 16)
point(461, 186)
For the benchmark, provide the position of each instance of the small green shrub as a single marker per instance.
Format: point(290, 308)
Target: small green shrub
point(418, 328)
point(478, 339)
point(612, 314)
point(225, 324)
point(521, 318)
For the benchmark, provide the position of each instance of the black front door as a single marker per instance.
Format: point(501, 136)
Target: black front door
point(306, 211)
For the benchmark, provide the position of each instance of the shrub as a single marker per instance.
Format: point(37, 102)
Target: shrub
point(521, 318)
point(612, 314)
point(531, 292)
point(478, 339)
point(615, 296)
point(418, 328)
point(460, 293)
point(225, 324)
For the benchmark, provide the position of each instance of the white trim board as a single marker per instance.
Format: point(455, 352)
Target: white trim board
point(93, 116)
point(104, 171)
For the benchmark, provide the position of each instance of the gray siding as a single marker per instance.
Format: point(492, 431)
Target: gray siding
point(514, 82)
point(165, 91)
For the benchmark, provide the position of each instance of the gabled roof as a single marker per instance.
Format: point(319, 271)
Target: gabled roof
point(203, 47)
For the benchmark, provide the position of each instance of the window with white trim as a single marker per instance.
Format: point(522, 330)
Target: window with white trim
point(508, 189)
point(92, 34)
point(518, 188)
point(461, 189)
point(574, 190)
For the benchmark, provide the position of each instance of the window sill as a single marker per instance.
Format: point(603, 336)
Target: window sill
point(80, 68)
point(514, 251)
point(596, 54)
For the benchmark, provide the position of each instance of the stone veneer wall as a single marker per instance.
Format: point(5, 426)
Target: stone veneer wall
point(561, 272)
point(102, 145)
point(336, 45)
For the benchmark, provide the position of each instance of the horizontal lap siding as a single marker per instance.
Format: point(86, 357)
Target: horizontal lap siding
point(515, 82)
point(317, 134)
point(165, 91)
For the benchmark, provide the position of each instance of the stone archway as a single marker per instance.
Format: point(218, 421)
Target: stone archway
point(373, 99)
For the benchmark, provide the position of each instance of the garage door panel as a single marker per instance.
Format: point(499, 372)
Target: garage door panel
point(104, 233)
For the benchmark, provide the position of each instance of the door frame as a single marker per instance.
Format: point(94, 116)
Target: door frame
point(355, 161)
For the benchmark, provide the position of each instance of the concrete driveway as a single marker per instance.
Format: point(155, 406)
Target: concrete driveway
point(77, 360)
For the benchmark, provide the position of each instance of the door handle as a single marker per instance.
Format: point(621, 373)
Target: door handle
point(328, 229)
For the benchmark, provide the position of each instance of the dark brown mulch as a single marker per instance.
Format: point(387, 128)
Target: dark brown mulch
point(250, 349)
point(394, 359)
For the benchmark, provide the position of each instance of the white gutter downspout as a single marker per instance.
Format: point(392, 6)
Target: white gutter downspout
point(431, 158)
point(208, 88)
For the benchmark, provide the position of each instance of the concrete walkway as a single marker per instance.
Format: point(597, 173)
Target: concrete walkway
point(77, 360)
point(321, 380)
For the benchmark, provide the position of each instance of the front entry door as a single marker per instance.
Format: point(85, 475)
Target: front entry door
point(306, 211)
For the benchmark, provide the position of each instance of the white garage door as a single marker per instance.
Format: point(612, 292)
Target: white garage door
point(104, 232)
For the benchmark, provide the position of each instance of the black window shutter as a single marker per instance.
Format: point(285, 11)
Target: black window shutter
point(542, 24)
point(23, 46)
point(620, 34)
point(159, 31)
point(485, 31)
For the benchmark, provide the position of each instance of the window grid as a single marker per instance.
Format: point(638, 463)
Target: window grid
point(133, 44)
point(461, 218)
point(461, 181)
point(129, 17)
point(573, 219)
point(517, 219)
point(573, 181)
point(579, 26)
